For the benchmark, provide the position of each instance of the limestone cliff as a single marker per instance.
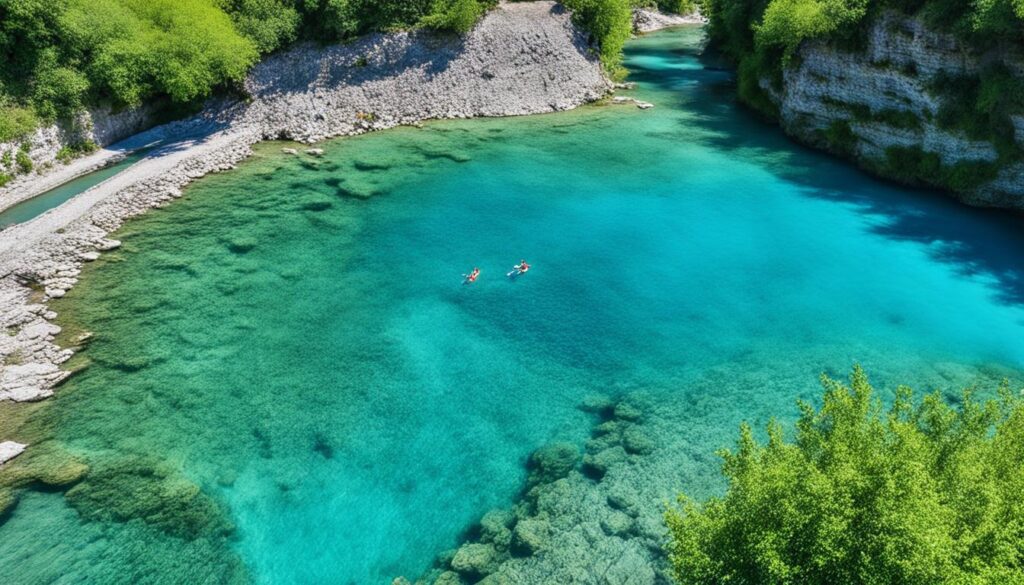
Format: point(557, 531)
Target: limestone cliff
point(882, 105)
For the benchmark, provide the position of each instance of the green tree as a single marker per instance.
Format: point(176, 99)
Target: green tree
point(920, 493)
point(610, 23)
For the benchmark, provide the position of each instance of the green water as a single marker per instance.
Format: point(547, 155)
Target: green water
point(293, 339)
point(43, 202)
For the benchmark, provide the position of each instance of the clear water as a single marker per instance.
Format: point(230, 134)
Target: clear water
point(44, 202)
point(293, 337)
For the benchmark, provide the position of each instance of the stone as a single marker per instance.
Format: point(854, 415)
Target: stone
point(448, 578)
point(475, 559)
point(530, 536)
point(494, 528)
point(628, 412)
point(552, 462)
point(601, 462)
point(289, 151)
point(315, 151)
point(89, 256)
point(617, 524)
point(107, 245)
point(636, 441)
point(9, 450)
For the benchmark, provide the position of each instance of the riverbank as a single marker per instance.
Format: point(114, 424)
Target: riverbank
point(520, 59)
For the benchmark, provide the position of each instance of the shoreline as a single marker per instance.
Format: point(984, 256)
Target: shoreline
point(520, 59)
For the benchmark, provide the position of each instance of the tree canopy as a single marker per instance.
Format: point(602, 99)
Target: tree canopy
point(62, 55)
point(919, 493)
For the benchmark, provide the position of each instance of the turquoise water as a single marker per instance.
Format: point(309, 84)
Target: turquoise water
point(293, 339)
point(43, 202)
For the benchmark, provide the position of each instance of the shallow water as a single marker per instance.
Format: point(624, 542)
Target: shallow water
point(293, 336)
point(44, 202)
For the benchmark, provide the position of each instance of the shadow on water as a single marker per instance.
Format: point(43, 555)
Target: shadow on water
point(974, 241)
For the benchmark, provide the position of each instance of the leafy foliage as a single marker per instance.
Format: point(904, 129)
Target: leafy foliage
point(610, 23)
point(920, 493)
point(62, 55)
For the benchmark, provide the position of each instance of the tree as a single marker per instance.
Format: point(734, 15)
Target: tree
point(921, 493)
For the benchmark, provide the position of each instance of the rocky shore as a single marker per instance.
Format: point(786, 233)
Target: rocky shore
point(520, 59)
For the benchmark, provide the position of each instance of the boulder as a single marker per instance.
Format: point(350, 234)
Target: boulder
point(530, 536)
point(628, 412)
point(601, 462)
point(553, 462)
point(9, 450)
point(448, 578)
point(617, 524)
point(636, 441)
point(475, 560)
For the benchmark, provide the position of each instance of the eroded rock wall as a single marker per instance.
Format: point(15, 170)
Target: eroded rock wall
point(887, 94)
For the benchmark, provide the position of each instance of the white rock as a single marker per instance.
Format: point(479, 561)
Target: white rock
point(315, 151)
point(105, 245)
point(289, 151)
point(89, 256)
point(9, 450)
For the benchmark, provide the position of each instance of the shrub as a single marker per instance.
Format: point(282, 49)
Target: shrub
point(72, 151)
point(23, 160)
point(919, 493)
point(456, 16)
point(16, 122)
point(610, 24)
point(5, 178)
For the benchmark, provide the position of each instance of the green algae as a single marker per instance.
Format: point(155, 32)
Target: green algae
point(150, 490)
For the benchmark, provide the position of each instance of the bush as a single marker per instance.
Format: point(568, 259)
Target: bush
point(920, 493)
point(5, 178)
point(23, 160)
point(456, 16)
point(73, 151)
point(16, 122)
point(610, 24)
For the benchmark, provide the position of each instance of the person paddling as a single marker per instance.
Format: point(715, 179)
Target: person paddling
point(471, 277)
point(520, 268)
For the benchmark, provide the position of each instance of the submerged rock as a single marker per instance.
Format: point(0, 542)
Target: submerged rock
point(636, 441)
point(142, 489)
point(601, 462)
point(628, 412)
point(553, 462)
point(475, 559)
point(530, 536)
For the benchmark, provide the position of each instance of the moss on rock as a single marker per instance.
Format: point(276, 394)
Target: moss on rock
point(475, 560)
point(143, 489)
point(553, 462)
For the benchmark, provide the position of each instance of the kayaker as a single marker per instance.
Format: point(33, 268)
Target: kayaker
point(471, 277)
point(523, 266)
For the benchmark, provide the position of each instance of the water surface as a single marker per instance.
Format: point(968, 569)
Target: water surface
point(44, 202)
point(294, 339)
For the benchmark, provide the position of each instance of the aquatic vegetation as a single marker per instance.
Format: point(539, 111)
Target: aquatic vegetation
point(147, 489)
point(921, 492)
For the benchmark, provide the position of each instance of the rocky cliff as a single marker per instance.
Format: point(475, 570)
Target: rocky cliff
point(889, 105)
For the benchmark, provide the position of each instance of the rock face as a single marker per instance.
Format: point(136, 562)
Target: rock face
point(647, 20)
point(101, 126)
point(885, 97)
point(522, 58)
